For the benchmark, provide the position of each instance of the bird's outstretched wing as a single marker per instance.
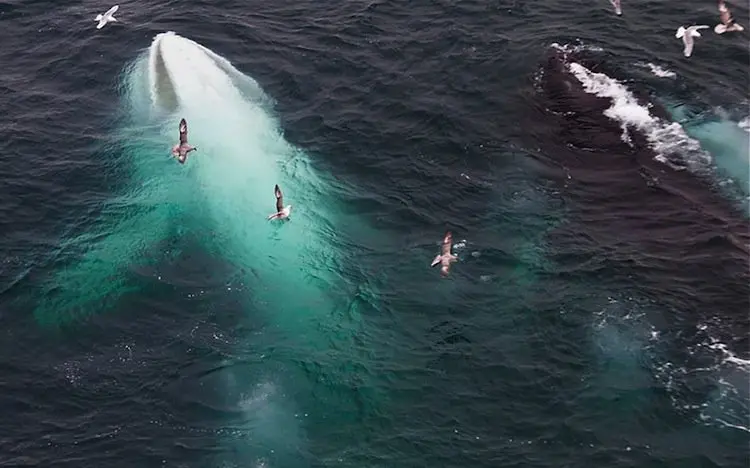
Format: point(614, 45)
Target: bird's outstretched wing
point(279, 198)
point(111, 11)
point(183, 132)
point(447, 242)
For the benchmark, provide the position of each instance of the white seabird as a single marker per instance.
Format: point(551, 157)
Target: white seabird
point(106, 17)
point(618, 7)
point(687, 35)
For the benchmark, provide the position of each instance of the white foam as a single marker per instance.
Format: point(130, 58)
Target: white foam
point(745, 124)
point(659, 71)
point(571, 49)
point(725, 423)
point(667, 139)
point(728, 356)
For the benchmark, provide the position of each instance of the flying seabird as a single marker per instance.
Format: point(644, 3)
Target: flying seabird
point(727, 22)
point(687, 35)
point(106, 17)
point(618, 8)
point(445, 258)
point(181, 150)
point(282, 212)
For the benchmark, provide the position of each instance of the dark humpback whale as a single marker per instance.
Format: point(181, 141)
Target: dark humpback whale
point(644, 220)
point(591, 112)
point(639, 207)
point(604, 123)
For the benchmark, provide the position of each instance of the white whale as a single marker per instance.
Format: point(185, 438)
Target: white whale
point(290, 272)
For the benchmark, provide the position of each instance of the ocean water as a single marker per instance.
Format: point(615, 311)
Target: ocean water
point(598, 313)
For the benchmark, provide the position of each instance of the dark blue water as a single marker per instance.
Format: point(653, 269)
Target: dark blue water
point(598, 315)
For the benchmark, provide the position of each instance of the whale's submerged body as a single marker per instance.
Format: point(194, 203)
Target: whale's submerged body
point(222, 196)
point(646, 215)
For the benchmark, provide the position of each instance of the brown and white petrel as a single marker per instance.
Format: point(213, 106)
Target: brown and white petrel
point(181, 150)
point(282, 212)
point(445, 258)
point(727, 21)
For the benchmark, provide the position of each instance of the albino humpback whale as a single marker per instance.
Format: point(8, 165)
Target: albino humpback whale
point(445, 258)
point(106, 17)
point(688, 34)
point(291, 278)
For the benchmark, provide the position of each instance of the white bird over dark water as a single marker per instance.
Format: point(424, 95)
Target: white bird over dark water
point(618, 7)
point(688, 34)
point(727, 21)
point(106, 17)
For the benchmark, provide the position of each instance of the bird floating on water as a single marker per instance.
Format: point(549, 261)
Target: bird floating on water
point(106, 17)
point(727, 21)
point(688, 34)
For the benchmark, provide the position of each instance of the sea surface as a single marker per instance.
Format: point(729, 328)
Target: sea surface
point(598, 313)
